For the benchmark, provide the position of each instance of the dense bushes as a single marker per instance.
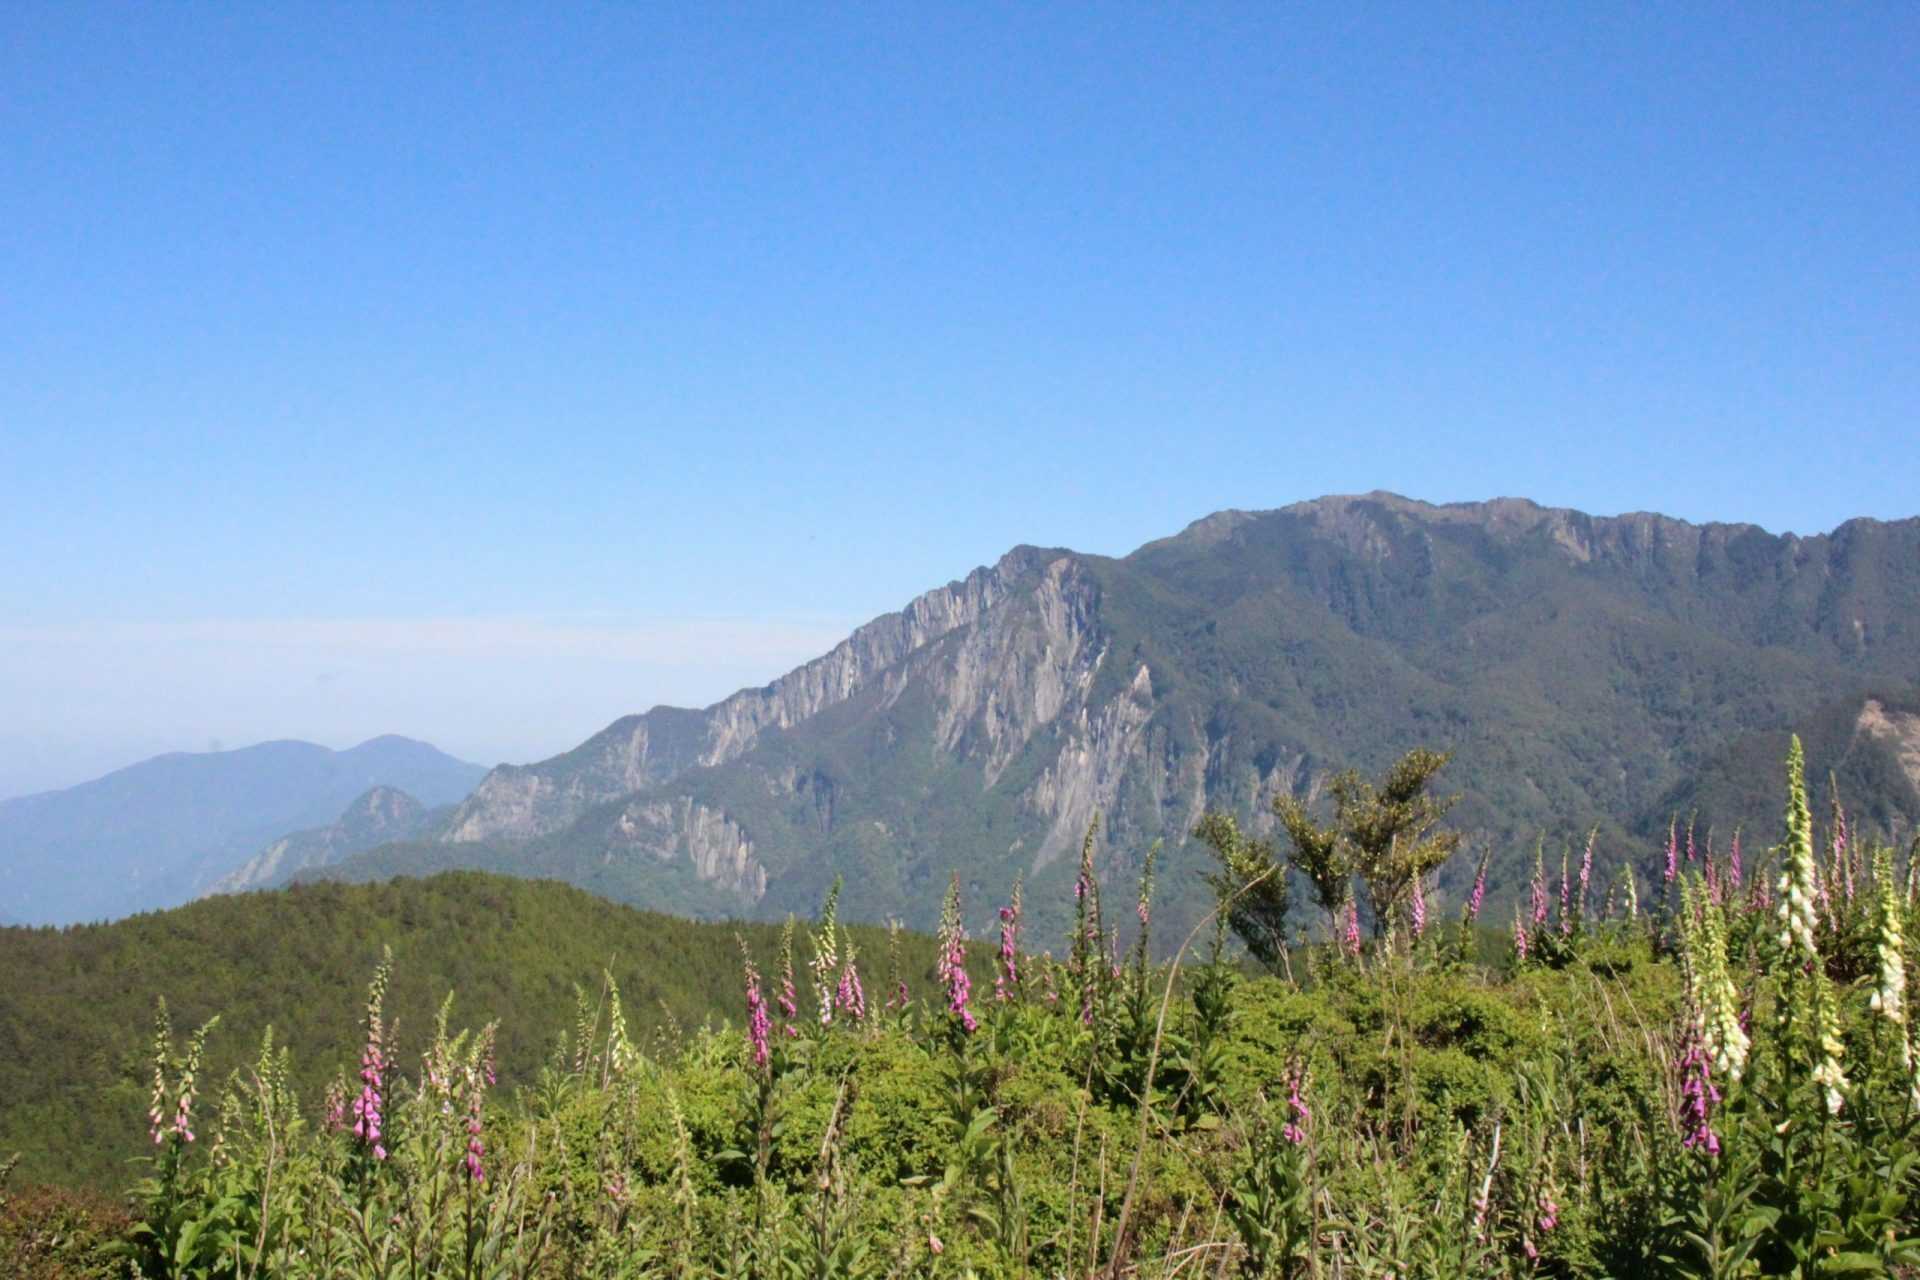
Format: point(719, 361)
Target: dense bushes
point(1717, 1083)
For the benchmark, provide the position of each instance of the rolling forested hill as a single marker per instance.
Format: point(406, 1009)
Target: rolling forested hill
point(76, 1008)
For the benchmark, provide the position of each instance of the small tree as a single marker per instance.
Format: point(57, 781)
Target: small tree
point(1318, 855)
point(1251, 886)
point(1386, 834)
point(1393, 829)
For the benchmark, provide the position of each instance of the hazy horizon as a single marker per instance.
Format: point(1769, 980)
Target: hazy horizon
point(483, 380)
point(586, 664)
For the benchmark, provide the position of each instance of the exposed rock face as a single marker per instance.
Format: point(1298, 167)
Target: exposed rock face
point(1580, 667)
point(521, 802)
point(1085, 777)
point(380, 815)
point(716, 846)
point(1012, 671)
point(1899, 730)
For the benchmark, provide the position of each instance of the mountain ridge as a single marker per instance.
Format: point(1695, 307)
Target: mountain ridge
point(159, 831)
point(379, 815)
point(1580, 666)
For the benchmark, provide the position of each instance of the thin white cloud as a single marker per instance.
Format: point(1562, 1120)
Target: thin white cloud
point(490, 689)
point(667, 641)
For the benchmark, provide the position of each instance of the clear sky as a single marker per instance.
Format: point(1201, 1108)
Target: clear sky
point(482, 374)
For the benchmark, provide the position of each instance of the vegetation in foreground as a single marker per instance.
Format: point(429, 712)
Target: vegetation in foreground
point(77, 1004)
point(1711, 1078)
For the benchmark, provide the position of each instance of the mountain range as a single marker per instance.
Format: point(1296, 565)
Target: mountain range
point(162, 831)
point(1612, 672)
point(380, 815)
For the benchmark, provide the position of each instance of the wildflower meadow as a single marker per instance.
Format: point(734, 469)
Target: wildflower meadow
point(1704, 1072)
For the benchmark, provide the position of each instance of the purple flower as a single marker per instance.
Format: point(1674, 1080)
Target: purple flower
point(475, 1147)
point(1295, 1130)
point(1351, 938)
point(1519, 937)
point(1698, 1098)
point(1673, 851)
point(1586, 870)
point(336, 1106)
point(953, 958)
point(366, 1107)
point(1419, 909)
point(851, 997)
point(1007, 980)
point(162, 1051)
point(960, 987)
point(373, 1064)
point(759, 1024)
point(1479, 895)
point(788, 999)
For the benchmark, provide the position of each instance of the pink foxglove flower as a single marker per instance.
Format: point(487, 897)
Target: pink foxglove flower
point(788, 998)
point(759, 1024)
point(826, 954)
point(336, 1106)
point(1298, 1116)
point(162, 1051)
point(1478, 897)
point(1418, 910)
point(1586, 871)
point(373, 1065)
point(181, 1128)
point(1566, 887)
point(1698, 1097)
point(960, 987)
point(1538, 890)
point(1006, 981)
point(476, 1148)
point(850, 997)
point(953, 958)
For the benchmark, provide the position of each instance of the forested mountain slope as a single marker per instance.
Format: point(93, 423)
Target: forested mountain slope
point(1586, 671)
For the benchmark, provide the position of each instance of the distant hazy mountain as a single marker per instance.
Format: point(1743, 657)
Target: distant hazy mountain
point(1586, 670)
point(380, 815)
point(156, 833)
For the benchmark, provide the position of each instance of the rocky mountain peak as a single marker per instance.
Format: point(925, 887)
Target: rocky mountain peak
point(985, 724)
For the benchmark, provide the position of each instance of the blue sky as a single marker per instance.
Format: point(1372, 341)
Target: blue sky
point(482, 373)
